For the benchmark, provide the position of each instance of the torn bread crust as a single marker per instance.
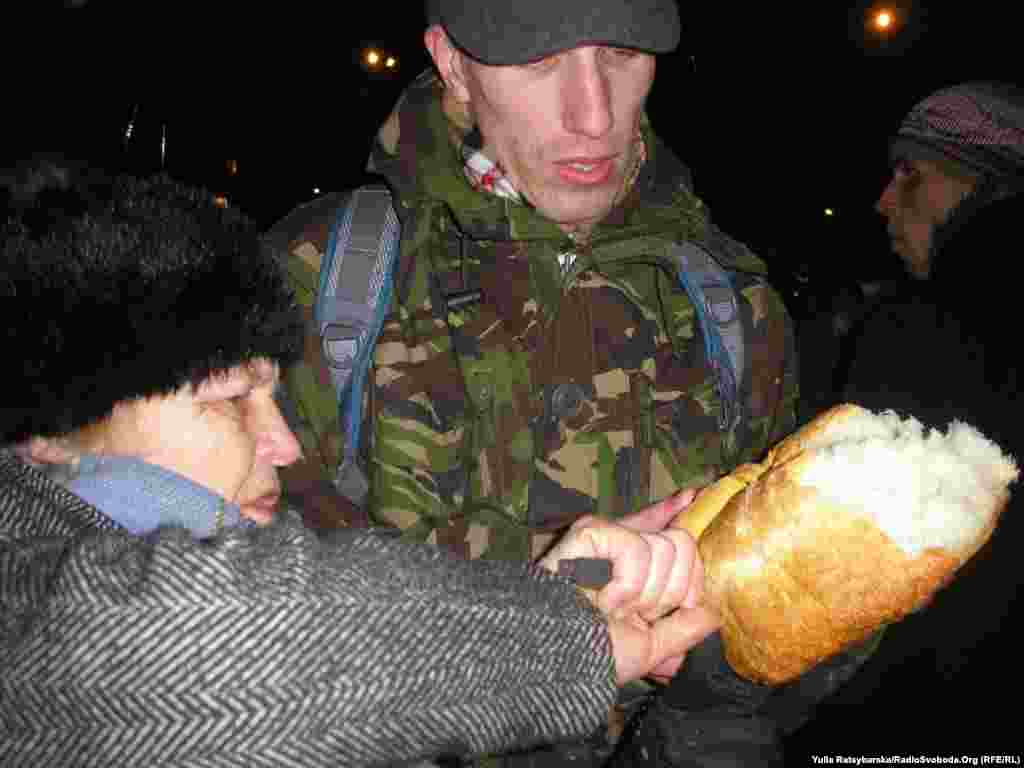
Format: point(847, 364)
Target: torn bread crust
point(924, 489)
point(851, 523)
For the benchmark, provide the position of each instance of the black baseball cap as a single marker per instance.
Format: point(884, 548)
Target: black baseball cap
point(500, 32)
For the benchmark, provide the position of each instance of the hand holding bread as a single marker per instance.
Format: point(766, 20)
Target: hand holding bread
point(851, 523)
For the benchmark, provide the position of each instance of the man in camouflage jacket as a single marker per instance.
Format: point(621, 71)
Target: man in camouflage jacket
point(531, 373)
point(578, 383)
point(559, 391)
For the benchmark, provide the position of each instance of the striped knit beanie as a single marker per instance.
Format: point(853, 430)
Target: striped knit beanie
point(972, 129)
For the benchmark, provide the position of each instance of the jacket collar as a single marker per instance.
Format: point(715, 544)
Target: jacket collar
point(977, 245)
point(33, 504)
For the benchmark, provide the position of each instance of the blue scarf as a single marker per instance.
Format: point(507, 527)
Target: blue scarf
point(142, 496)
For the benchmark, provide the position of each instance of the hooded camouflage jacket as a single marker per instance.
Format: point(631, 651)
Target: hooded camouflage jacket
point(554, 392)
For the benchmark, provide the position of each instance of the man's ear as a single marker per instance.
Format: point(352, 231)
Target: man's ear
point(448, 60)
point(46, 450)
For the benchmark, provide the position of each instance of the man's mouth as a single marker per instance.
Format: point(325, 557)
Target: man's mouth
point(586, 170)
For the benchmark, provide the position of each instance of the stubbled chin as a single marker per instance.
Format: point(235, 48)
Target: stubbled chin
point(569, 207)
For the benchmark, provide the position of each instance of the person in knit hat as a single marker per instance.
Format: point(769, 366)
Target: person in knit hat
point(944, 348)
point(146, 330)
point(962, 146)
point(129, 304)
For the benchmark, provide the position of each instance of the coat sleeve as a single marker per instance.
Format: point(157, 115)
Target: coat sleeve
point(275, 647)
point(771, 384)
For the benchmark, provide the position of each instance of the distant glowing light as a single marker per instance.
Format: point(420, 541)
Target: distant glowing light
point(372, 58)
point(884, 19)
point(316, 190)
point(830, 212)
point(220, 201)
point(232, 167)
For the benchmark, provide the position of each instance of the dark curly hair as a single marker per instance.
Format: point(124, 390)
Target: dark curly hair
point(116, 288)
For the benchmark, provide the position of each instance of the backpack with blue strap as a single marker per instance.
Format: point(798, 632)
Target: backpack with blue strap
point(355, 294)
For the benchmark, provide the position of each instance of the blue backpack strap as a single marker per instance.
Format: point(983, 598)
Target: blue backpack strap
point(713, 295)
point(354, 297)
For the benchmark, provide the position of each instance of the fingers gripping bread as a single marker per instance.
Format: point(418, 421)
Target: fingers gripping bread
point(851, 523)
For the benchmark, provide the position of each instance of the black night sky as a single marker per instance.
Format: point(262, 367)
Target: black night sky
point(781, 110)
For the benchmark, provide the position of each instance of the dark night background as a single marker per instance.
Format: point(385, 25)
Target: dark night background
point(781, 110)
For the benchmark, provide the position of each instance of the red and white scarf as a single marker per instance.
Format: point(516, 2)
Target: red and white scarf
point(487, 175)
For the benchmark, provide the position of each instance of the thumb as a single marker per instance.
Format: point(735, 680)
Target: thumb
point(681, 630)
point(661, 646)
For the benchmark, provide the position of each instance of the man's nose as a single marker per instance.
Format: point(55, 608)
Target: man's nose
point(887, 199)
point(275, 441)
point(587, 108)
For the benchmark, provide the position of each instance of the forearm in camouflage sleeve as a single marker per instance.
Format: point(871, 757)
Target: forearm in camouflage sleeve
point(773, 376)
point(307, 397)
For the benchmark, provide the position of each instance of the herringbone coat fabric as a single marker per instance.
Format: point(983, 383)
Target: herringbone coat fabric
point(273, 647)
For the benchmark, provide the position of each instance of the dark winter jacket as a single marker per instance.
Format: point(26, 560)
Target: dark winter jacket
point(271, 647)
point(944, 348)
point(947, 348)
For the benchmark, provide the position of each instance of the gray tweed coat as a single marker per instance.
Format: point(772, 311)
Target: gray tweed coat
point(271, 647)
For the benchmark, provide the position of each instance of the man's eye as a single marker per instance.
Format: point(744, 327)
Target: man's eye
point(542, 65)
point(622, 54)
point(903, 168)
point(236, 401)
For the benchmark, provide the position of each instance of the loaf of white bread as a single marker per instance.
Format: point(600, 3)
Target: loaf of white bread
point(851, 523)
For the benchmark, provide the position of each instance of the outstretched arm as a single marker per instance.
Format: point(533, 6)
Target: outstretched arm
point(352, 649)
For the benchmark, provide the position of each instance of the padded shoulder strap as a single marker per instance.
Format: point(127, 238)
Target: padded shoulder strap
point(713, 295)
point(353, 299)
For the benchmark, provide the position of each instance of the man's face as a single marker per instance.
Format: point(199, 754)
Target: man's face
point(917, 199)
point(564, 128)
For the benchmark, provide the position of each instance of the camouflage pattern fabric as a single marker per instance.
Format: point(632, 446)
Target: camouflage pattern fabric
point(513, 395)
point(309, 404)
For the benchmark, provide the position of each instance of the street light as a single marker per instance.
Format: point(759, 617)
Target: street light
point(890, 27)
point(886, 20)
point(378, 61)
